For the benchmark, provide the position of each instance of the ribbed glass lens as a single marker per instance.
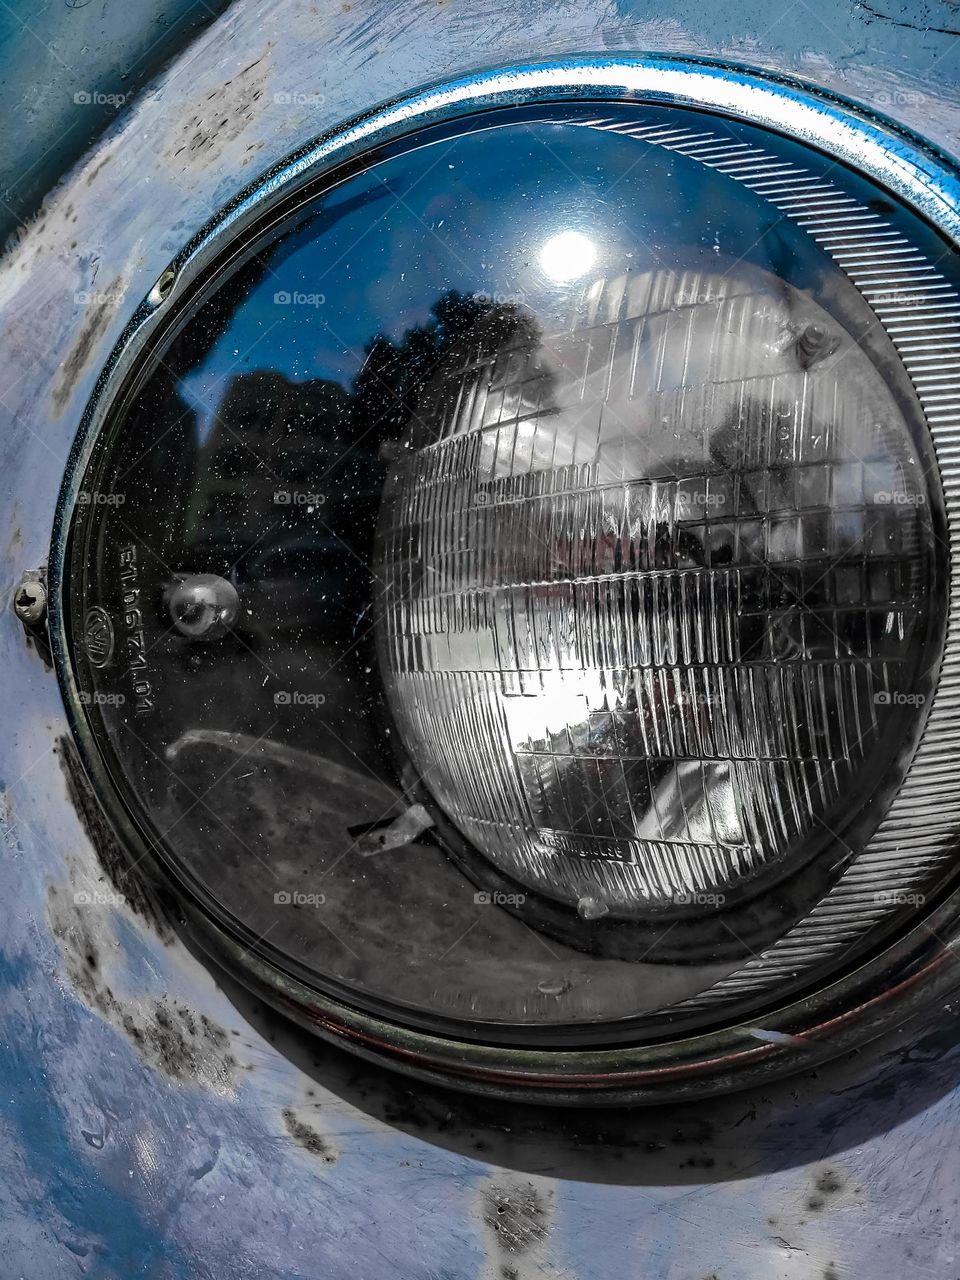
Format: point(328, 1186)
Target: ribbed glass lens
point(646, 580)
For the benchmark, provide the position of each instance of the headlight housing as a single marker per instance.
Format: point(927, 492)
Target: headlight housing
point(505, 576)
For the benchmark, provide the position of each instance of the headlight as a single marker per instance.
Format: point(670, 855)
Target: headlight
point(647, 580)
point(505, 575)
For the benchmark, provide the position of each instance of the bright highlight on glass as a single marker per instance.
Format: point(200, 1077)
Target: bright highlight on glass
point(567, 256)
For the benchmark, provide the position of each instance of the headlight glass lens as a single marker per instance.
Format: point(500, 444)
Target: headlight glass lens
point(510, 595)
point(644, 580)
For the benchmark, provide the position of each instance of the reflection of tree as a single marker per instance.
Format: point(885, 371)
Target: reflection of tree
point(397, 387)
point(275, 442)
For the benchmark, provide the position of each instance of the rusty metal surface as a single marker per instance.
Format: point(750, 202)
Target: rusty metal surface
point(155, 1121)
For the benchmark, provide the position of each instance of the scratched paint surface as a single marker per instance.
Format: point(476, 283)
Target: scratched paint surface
point(66, 69)
point(156, 1122)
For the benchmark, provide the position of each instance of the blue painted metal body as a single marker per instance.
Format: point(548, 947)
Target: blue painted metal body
point(155, 1120)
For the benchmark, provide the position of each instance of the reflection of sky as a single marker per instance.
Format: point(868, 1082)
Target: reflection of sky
point(471, 214)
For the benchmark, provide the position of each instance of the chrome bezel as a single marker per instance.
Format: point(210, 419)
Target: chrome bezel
point(850, 1010)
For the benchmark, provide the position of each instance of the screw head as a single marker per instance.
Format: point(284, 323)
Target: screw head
point(30, 602)
point(203, 606)
point(815, 343)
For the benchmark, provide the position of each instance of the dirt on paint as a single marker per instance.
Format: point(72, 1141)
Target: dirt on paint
point(95, 324)
point(169, 1037)
point(213, 122)
point(304, 1135)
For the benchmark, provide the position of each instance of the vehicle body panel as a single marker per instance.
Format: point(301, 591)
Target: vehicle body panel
point(157, 1121)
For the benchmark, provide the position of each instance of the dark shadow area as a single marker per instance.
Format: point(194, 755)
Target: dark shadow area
point(812, 1117)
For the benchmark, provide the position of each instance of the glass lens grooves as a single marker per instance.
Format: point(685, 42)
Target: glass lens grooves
point(648, 581)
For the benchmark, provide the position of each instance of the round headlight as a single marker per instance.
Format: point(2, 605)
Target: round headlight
point(505, 577)
point(647, 579)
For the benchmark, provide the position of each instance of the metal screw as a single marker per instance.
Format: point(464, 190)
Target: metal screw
point(815, 343)
point(203, 606)
point(30, 600)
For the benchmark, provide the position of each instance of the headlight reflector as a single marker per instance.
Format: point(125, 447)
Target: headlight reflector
point(649, 583)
